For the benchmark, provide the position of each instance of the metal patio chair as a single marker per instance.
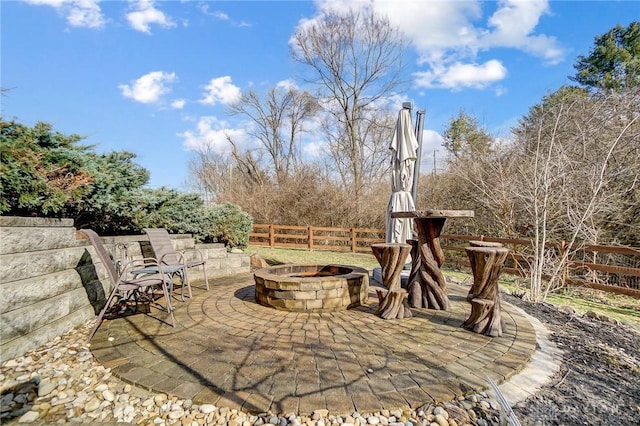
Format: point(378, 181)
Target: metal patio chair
point(123, 288)
point(174, 260)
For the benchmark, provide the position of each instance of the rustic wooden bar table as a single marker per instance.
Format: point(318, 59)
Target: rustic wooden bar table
point(427, 287)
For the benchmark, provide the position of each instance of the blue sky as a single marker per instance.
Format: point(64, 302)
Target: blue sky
point(156, 77)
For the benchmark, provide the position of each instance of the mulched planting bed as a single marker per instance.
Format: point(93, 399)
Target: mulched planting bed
point(599, 380)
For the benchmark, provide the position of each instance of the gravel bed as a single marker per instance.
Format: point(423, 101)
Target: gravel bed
point(598, 383)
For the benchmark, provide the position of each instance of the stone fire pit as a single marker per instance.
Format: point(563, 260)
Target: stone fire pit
point(311, 288)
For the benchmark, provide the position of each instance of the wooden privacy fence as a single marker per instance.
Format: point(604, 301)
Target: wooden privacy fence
point(608, 268)
point(315, 237)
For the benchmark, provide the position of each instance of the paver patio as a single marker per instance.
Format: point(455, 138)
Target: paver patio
point(229, 351)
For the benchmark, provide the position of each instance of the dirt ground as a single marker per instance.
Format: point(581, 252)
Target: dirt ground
point(599, 380)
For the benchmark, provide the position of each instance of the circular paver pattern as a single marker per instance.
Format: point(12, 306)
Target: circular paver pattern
point(230, 351)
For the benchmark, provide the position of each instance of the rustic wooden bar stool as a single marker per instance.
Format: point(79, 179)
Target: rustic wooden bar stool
point(486, 259)
point(393, 302)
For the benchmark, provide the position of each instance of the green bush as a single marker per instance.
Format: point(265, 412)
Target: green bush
point(41, 171)
point(177, 212)
point(228, 224)
point(46, 173)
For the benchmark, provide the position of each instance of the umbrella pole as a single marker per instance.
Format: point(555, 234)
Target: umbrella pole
point(416, 169)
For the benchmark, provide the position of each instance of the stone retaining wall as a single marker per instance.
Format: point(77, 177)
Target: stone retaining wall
point(52, 281)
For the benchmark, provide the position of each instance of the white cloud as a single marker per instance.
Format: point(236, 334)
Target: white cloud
point(53, 3)
point(513, 25)
point(458, 75)
point(391, 103)
point(178, 103)
point(144, 13)
point(149, 88)
point(221, 91)
point(500, 91)
point(79, 13)
point(315, 150)
point(287, 85)
point(435, 27)
point(211, 133)
point(448, 35)
point(218, 14)
point(86, 13)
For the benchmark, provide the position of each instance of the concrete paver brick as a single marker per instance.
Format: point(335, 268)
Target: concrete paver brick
point(417, 397)
point(366, 403)
point(339, 404)
point(403, 382)
point(285, 404)
point(234, 399)
point(189, 389)
point(207, 395)
point(230, 351)
point(312, 402)
point(381, 385)
point(257, 403)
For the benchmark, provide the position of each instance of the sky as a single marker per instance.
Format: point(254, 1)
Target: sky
point(156, 78)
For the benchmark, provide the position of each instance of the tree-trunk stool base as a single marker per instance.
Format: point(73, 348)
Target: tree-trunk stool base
point(486, 261)
point(393, 304)
point(485, 318)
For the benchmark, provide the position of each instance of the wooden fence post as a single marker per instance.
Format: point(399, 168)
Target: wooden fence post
point(594, 273)
point(354, 243)
point(310, 237)
point(565, 270)
point(272, 237)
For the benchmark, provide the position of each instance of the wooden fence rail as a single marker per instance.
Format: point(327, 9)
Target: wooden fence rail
point(610, 268)
point(315, 237)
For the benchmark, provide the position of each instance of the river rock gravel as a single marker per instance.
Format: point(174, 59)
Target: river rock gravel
point(61, 382)
point(598, 383)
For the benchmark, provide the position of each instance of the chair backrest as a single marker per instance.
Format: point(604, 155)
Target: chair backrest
point(161, 244)
point(103, 254)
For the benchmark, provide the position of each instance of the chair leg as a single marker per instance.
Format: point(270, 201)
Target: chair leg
point(169, 306)
point(206, 280)
point(102, 312)
point(185, 281)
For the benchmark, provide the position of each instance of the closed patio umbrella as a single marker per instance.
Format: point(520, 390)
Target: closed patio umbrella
point(404, 148)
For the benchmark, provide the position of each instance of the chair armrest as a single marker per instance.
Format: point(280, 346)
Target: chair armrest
point(172, 253)
point(147, 262)
point(198, 251)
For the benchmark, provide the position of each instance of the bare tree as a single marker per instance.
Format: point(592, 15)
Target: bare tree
point(579, 152)
point(571, 173)
point(208, 172)
point(356, 59)
point(481, 170)
point(278, 124)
